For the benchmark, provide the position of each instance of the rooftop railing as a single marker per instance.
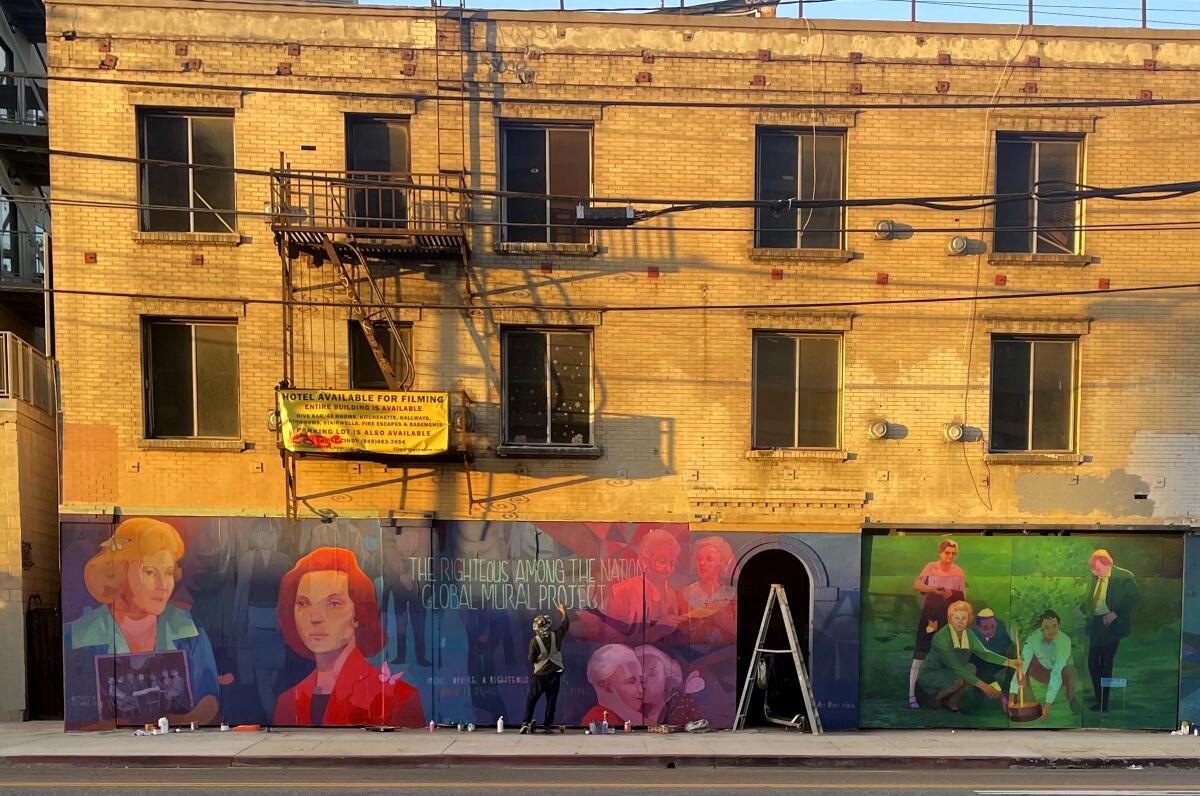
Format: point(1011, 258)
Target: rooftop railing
point(22, 101)
point(23, 257)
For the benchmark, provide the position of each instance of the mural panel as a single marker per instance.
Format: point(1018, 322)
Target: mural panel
point(1189, 672)
point(1020, 631)
point(351, 622)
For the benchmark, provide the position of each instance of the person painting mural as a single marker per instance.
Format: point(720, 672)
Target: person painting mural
point(545, 653)
point(1109, 611)
point(942, 582)
point(328, 613)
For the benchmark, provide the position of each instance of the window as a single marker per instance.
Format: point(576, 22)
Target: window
point(797, 390)
point(204, 196)
point(800, 164)
point(191, 377)
point(546, 160)
point(377, 149)
point(10, 251)
point(364, 368)
point(9, 109)
point(1032, 226)
point(547, 387)
point(1033, 394)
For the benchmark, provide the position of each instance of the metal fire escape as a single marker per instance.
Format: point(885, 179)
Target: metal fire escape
point(367, 227)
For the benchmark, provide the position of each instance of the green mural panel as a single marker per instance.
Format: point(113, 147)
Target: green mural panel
point(1035, 603)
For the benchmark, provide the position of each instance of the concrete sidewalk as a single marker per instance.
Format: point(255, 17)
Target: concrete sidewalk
point(35, 743)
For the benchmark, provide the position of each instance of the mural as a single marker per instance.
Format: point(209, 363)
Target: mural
point(1020, 631)
point(351, 622)
point(1189, 673)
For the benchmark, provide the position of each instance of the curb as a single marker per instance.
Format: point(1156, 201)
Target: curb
point(597, 761)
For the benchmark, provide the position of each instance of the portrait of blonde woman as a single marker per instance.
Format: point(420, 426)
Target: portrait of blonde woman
point(132, 577)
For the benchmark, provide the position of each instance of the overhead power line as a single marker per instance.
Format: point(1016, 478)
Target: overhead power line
point(942, 103)
point(623, 308)
point(951, 202)
point(1177, 225)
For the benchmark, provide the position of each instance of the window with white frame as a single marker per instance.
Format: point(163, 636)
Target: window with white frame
point(191, 187)
point(1026, 164)
point(1033, 394)
point(547, 375)
point(800, 164)
point(547, 161)
point(190, 369)
point(797, 392)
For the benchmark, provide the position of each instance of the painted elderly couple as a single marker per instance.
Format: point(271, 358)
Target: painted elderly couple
point(327, 612)
point(643, 685)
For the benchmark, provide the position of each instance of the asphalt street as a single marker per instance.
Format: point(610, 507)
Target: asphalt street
point(625, 781)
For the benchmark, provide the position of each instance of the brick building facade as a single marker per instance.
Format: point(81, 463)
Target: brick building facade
point(788, 382)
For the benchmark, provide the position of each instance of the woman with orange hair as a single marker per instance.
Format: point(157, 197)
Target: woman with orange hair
point(132, 577)
point(328, 613)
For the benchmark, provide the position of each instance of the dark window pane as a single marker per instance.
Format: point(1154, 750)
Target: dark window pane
point(525, 386)
point(1014, 174)
point(378, 145)
point(570, 388)
point(213, 198)
point(525, 172)
point(817, 393)
point(216, 380)
point(821, 178)
point(777, 179)
point(774, 391)
point(1058, 167)
point(10, 256)
point(1053, 372)
point(165, 138)
point(1010, 395)
point(365, 373)
point(170, 363)
point(570, 160)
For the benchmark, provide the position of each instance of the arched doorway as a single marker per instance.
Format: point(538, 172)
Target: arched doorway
point(753, 585)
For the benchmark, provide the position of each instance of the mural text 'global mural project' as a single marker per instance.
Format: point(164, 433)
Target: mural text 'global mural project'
point(1021, 631)
point(356, 623)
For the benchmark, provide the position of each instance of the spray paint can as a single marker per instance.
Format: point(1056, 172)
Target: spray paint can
point(500, 724)
point(628, 726)
point(432, 726)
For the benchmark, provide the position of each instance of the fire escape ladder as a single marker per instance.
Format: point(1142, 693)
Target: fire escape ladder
point(352, 278)
point(453, 39)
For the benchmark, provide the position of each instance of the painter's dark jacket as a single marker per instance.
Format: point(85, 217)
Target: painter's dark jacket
point(542, 663)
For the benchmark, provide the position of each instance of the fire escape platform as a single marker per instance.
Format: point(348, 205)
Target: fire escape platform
point(380, 216)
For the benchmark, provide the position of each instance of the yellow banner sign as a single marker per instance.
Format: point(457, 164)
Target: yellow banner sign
point(371, 421)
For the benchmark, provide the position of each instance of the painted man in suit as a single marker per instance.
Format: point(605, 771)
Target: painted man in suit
point(1109, 611)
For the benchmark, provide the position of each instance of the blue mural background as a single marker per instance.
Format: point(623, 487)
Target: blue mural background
point(652, 607)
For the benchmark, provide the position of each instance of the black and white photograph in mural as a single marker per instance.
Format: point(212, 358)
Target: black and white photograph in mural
point(140, 687)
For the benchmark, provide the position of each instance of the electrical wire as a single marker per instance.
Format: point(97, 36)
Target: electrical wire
point(627, 308)
point(592, 102)
point(950, 203)
point(1184, 224)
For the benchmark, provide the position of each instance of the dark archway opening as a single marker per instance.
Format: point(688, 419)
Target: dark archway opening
point(753, 586)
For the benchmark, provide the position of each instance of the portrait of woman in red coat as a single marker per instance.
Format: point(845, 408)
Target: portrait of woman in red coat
point(328, 613)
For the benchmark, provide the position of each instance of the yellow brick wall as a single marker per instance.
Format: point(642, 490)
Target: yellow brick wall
point(672, 387)
point(28, 514)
